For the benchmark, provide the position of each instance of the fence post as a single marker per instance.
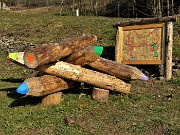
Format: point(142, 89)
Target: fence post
point(169, 44)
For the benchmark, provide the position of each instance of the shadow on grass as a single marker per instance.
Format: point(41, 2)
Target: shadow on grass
point(20, 100)
point(83, 88)
point(24, 100)
point(27, 100)
point(13, 80)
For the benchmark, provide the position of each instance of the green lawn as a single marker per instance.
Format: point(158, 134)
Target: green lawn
point(152, 107)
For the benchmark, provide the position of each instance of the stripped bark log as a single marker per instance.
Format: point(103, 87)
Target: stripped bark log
point(77, 73)
point(55, 51)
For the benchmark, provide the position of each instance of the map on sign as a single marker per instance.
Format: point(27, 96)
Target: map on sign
point(142, 44)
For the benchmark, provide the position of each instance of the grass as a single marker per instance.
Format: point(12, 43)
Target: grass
point(50, 27)
point(152, 107)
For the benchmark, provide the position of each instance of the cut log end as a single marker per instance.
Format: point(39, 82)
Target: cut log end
point(52, 99)
point(30, 60)
point(101, 95)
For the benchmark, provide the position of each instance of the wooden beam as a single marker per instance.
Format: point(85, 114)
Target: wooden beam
point(147, 26)
point(147, 21)
point(119, 43)
point(142, 62)
point(169, 44)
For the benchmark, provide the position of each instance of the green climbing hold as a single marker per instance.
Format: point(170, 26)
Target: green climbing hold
point(98, 50)
point(13, 56)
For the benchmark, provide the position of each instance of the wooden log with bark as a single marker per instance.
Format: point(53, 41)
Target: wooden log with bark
point(44, 85)
point(55, 51)
point(147, 21)
point(80, 74)
point(119, 70)
point(89, 57)
point(85, 56)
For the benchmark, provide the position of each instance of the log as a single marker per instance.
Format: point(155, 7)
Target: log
point(119, 70)
point(52, 99)
point(85, 56)
point(55, 51)
point(101, 95)
point(80, 74)
point(169, 45)
point(147, 21)
point(44, 85)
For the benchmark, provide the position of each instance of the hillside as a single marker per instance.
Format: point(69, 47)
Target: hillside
point(152, 107)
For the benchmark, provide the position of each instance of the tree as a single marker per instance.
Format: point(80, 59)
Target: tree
point(1, 4)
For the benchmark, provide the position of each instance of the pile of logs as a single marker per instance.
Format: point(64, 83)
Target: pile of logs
point(68, 64)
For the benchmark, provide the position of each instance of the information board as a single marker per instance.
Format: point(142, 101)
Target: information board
point(140, 44)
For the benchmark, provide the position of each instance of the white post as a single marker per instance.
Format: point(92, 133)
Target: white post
point(77, 12)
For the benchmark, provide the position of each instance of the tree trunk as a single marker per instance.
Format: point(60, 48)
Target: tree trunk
point(77, 73)
point(168, 7)
point(55, 51)
point(61, 8)
point(52, 99)
point(1, 4)
point(101, 95)
point(160, 8)
point(172, 7)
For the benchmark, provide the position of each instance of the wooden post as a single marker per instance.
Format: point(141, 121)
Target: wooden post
point(52, 99)
point(44, 85)
point(118, 48)
point(101, 95)
point(55, 51)
point(80, 74)
point(169, 44)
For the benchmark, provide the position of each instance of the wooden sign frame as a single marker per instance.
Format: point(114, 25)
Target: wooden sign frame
point(120, 44)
